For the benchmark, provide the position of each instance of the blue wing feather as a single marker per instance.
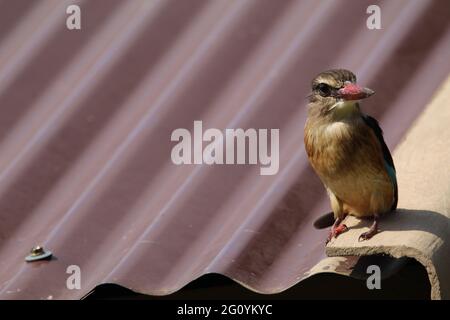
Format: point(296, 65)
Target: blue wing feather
point(388, 162)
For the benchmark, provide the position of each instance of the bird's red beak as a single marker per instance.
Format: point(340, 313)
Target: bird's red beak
point(352, 91)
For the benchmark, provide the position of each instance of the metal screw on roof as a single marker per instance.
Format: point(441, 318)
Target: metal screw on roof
point(38, 253)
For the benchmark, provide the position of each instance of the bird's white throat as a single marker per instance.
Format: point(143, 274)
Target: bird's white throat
point(344, 108)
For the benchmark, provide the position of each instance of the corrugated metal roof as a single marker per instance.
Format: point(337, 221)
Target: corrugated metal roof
point(86, 118)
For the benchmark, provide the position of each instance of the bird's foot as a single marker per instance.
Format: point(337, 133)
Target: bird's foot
point(372, 231)
point(367, 235)
point(336, 231)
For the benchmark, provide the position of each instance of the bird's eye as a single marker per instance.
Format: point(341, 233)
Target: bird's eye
point(324, 89)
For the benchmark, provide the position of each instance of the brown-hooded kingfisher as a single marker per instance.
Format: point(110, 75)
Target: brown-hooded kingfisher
point(347, 151)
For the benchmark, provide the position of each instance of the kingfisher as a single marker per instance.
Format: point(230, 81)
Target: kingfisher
point(347, 150)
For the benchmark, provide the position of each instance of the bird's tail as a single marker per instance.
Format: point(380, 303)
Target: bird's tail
point(324, 221)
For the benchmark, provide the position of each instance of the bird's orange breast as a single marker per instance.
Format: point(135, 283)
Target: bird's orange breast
point(348, 159)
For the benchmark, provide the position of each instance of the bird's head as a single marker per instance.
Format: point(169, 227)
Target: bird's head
point(335, 94)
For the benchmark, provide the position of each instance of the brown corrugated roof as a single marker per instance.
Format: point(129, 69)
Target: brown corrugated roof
point(86, 119)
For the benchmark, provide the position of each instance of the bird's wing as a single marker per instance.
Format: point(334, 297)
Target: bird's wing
point(388, 162)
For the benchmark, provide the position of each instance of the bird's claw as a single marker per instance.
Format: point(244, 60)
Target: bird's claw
point(340, 229)
point(367, 235)
point(363, 237)
point(335, 232)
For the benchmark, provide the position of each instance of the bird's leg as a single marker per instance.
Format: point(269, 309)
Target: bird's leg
point(372, 231)
point(337, 228)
